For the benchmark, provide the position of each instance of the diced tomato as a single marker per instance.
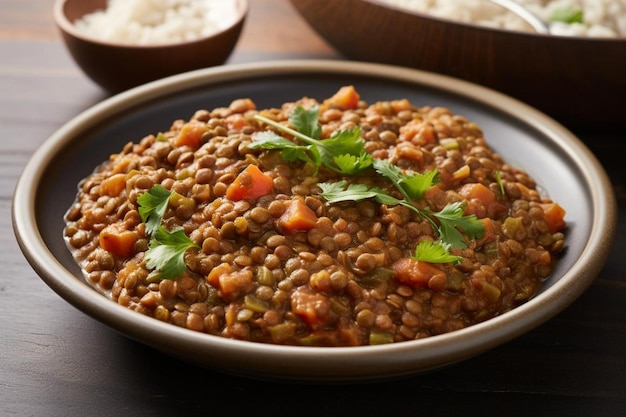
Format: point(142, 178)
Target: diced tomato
point(555, 216)
point(250, 184)
point(190, 135)
point(420, 274)
point(297, 217)
point(118, 241)
point(345, 98)
point(310, 306)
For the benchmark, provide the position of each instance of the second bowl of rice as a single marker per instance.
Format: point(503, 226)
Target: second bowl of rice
point(574, 73)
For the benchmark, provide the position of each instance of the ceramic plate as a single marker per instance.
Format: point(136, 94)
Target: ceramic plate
point(526, 138)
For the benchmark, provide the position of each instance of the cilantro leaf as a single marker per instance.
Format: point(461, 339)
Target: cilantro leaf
point(451, 219)
point(344, 152)
point(414, 186)
point(336, 192)
point(353, 164)
point(166, 252)
point(436, 252)
point(341, 144)
point(152, 206)
point(291, 151)
point(306, 121)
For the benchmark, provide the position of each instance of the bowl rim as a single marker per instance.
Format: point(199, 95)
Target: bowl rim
point(434, 352)
point(64, 24)
point(407, 11)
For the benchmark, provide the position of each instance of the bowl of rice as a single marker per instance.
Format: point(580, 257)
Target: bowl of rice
point(120, 44)
point(574, 73)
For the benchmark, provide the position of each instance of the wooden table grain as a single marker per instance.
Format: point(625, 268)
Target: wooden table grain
point(56, 361)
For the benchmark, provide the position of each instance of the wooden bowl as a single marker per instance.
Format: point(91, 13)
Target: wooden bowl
point(578, 81)
point(116, 67)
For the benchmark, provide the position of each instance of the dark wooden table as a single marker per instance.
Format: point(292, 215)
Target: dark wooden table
point(56, 361)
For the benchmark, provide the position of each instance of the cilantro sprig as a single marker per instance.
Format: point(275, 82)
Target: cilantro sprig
point(447, 222)
point(345, 153)
point(166, 250)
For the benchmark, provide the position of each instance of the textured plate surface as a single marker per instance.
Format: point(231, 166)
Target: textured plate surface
point(526, 138)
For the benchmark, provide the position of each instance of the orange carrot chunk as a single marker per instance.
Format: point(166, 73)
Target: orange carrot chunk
point(419, 274)
point(297, 217)
point(227, 280)
point(113, 185)
point(190, 135)
point(479, 195)
point(118, 241)
point(554, 215)
point(250, 184)
point(345, 98)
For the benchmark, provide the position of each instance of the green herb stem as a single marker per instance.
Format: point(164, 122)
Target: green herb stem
point(288, 130)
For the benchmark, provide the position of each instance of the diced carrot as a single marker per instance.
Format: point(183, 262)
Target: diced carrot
point(118, 241)
point(236, 121)
point(554, 215)
point(421, 274)
point(312, 307)
point(418, 132)
point(479, 192)
point(121, 163)
point(250, 184)
point(479, 197)
point(297, 217)
point(400, 105)
point(489, 234)
point(113, 185)
point(213, 278)
point(227, 280)
point(230, 283)
point(190, 135)
point(345, 98)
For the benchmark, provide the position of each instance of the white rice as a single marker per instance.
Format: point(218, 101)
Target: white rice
point(601, 18)
point(148, 22)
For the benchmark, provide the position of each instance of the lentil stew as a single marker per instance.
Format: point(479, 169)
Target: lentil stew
point(273, 261)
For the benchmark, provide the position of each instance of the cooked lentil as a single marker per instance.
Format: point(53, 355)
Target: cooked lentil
point(335, 283)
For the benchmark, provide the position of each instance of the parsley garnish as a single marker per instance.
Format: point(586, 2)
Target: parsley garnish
point(343, 152)
point(166, 250)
